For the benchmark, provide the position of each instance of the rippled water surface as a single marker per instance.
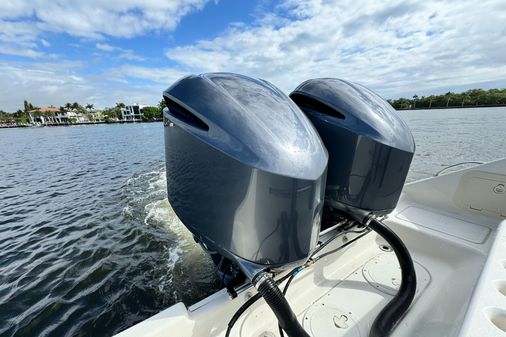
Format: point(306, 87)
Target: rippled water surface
point(89, 244)
point(444, 137)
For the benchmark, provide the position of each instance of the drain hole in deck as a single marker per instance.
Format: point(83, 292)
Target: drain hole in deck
point(385, 248)
point(497, 316)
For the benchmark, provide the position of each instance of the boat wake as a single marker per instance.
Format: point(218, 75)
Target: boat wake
point(97, 259)
point(187, 267)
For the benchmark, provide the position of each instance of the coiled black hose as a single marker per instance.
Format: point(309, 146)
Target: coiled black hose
point(279, 305)
point(248, 304)
point(388, 318)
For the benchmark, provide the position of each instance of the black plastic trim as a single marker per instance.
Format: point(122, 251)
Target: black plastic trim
point(184, 115)
point(307, 102)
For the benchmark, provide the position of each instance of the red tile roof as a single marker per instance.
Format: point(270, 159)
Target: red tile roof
point(49, 109)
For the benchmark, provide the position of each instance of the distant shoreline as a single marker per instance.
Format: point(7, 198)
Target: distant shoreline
point(76, 124)
point(455, 107)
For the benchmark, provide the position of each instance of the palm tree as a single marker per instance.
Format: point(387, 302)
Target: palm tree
point(89, 115)
point(448, 95)
point(415, 96)
point(68, 106)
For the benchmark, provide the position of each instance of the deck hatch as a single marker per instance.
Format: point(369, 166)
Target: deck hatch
point(445, 224)
point(482, 192)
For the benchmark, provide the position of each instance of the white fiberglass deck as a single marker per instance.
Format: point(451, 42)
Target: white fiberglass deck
point(452, 227)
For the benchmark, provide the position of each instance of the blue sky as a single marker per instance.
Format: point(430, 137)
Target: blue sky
point(103, 52)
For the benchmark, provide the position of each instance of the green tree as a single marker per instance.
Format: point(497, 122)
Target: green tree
point(28, 106)
point(6, 117)
point(473, 97)
point(151, 113)
point(162, 104)
point(111, 114)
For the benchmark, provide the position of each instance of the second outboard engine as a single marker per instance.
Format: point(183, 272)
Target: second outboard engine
point(370, 150)
point(370, 147)
point(246, 175)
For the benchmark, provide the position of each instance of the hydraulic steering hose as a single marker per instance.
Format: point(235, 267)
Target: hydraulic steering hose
point(388, 318)
point(252, 300)
point(287, 320)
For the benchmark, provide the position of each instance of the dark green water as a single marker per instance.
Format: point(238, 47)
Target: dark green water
point(88, 242)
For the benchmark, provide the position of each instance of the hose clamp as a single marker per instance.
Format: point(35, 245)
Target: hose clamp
point(259, 279)
point(368, 218)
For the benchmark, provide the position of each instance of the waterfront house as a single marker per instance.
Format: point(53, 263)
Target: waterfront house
point(96, 116)
point(76, 117)
point(56, 116)
point(132, 113)
point(47, 116)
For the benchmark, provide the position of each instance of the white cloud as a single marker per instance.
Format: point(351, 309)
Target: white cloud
point(21, 33)
point(45, 43)
point(159, 75)
point(105, 47)
point(126, 54)
point(395, 47)
point(20, 51)
point(130, 55)
point(54, 83)
point(23, 22)
point(96, 18)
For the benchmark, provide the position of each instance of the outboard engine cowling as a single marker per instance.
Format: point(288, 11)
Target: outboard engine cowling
point(370, 147)
point(245, 169)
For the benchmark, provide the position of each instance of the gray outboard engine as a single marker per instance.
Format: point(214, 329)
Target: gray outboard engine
point(370, 147)
point(370, 150)
point(246, 175)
